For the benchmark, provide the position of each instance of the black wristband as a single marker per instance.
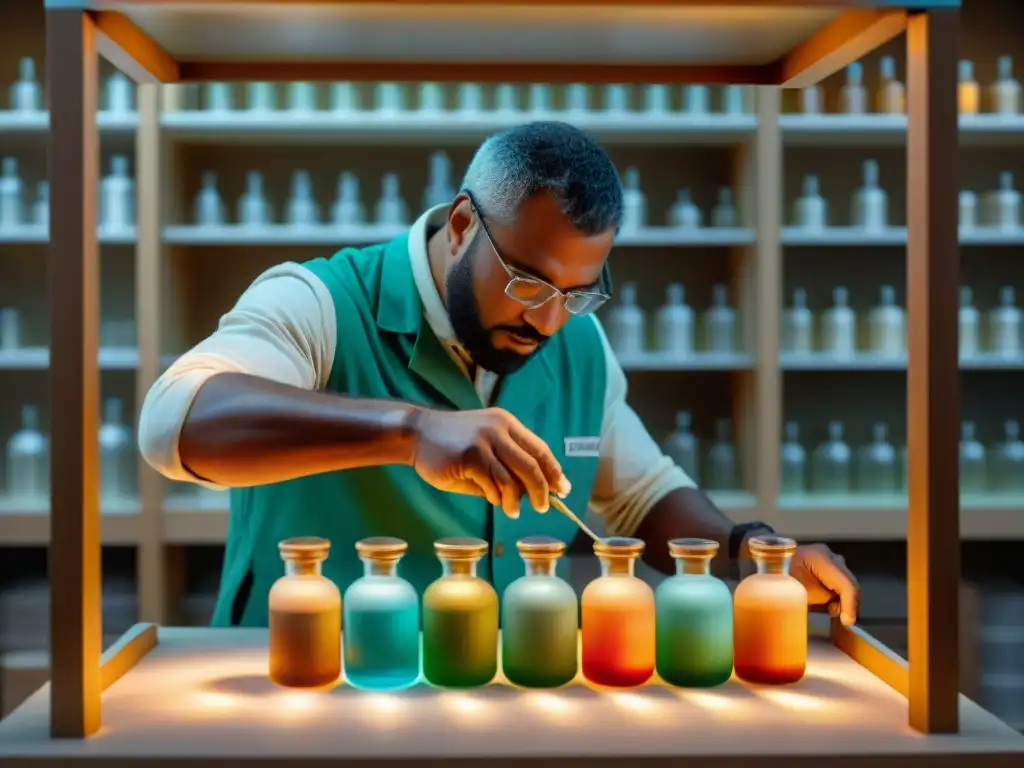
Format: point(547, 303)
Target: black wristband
point(740, 532)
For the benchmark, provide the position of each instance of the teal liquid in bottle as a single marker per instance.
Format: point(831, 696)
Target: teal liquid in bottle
point(381, 626)
point(693, 615)
point(540, 620)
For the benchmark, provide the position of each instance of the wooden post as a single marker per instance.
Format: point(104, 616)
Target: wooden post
point(933, 376)
point(73, 269)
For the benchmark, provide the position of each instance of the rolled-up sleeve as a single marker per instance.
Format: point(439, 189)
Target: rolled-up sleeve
point(282, 328)
point(633, 473)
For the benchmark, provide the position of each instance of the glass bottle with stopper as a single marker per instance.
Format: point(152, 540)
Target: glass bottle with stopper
point(470, 98)
point(876, 466)
point(675, 324)
point(684, 213)
point(973, 464)
point(262, 97)
point(968, 91)
point(869, 210)
point(696, 102)
point(305, 618)
point(539, 619)
point(302, 208)
point(118, 468)
point(389, 99)
point(218, 97)
point(618, 622)
point(120, 95)
point(348, 209)
point(391, 210)
point(887, 327)
point(798, 327)
point(656, 99)
point(539, 99)
point(831, 462)
point(1006, 91)
point(302, 97)
point(11, 195)
point(970, 325)
point(627, 332)
point(460, 618)
point(344, 99)
point(839, 327)
point(382, 620)
point(634, 204)
point(439, 190)
point(810, 100)
point(720, 323)
point(811, 211)
point(1004, 204)
point(694, 631)
point(892, 99)
point(722, 474)
point(724, 215)
point(732, 100)
point(26, 95)
point(577, 98)
point(616, 99)
point(1005, 326)
point(506, 99)
point(10, 329)
point(854, 94)
point(431, 98)
point(28, 460)
point(41, 207)
point(1007, 461)
point(770, 617)
point(210, 210)
point(683, 447)
point(968, 210)
point(253, 208)
point(793, 460)
point(117, 198)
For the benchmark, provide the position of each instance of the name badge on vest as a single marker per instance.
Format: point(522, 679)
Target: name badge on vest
point(583, 447)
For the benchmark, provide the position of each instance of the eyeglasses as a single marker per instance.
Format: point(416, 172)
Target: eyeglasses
point(532, 292)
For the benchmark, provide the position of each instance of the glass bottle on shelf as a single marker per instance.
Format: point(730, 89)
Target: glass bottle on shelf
point(793, 459)
point(460, 618)
point(810, 212)
point(1004, 204)
point(876, 466)
point(887, 327)
point(720, 323)
point(693, 619)
point(539, 619)
point(1007, 464)
point(11, 194)
point(830, 471)
point(117, 456)
point(722, 475)
point(634, 203)
point(305, 618)
point(1006, 90)
point(684, 213)
point(26, 94)
point(968, 213)
point(626, 326)
point(970, 325)
point(891, 94)
point(724, 215)
point(381, 620)
point(28, 460)
point(798, 327)
point(870, 207)
point(968, 92)
point(618, 623)
point(683, 447)
point(810, 100)
point(210, 210)
point(1005, 325)
point(973, 467)
point(675, 324)
point(770, 617)
point(854, 95)
point(839, 327)
point(10, 329)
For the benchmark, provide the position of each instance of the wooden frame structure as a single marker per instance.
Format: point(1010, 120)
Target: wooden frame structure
point(828, 34)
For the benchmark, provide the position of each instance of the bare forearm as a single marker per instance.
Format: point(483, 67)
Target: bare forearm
point(685, 513)
point(245, 430)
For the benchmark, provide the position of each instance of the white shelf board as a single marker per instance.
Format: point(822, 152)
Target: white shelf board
point(38, 358)
point(30, 233)
point(699, 361)
point(445, 128)
point(868, 362)
point(992, 236)
point(838, 130)
point(845, 236)
point(39, 122)
point(680, 236)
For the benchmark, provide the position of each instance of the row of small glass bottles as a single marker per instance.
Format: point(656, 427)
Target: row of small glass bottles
point(869, 209)
point(28, 457)
point(683, 214)
point(626, 325)
point(879, 467)
point(887, 330)
point(116, 209)
point(1003, 96)
point(691, 631)
point(471, 98)
point(114, 333)
point(683, 447)
point(26, 93)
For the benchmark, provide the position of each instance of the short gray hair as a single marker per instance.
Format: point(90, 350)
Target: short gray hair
point(551, 156)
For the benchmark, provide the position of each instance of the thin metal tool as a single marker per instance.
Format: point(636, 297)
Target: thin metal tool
point(557, 504)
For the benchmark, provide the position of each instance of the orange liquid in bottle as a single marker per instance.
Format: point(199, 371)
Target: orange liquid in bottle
point(770, 618)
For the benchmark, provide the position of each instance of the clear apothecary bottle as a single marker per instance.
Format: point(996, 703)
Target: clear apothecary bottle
point(770, 617)
point(694, 619)
point(618, 618)
point(382, 620)
point(539, 620)
point(460, 618)
point(305, 618)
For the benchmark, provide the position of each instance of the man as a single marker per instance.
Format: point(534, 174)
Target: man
point(442, 384)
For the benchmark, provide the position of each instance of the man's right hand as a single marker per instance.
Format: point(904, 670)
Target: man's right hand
point(486, 453)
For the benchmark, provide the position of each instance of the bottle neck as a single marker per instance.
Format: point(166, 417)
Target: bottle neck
point(458, 567)
point(693, 566)
point(375, 567)
point(303, 567)
point(540, 566)
point(773, 565)
point(617, 565)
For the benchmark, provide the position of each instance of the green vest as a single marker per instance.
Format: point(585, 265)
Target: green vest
point(387, 350)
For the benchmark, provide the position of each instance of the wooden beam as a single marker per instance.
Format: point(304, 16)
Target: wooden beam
point(479, 72)
point(849, 38)
point(72, 72)
point(880, 661)
point(131, 50)
point(128, 651)
point(933, 376)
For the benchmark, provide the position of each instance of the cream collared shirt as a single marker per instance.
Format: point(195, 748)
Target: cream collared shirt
point(284, 328)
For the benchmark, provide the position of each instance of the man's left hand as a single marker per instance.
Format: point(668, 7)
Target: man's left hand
point(828, 581)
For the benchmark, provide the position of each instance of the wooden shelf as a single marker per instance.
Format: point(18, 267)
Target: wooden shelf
point(870, 130)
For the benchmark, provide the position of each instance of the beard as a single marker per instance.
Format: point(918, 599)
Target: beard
point(464, 313)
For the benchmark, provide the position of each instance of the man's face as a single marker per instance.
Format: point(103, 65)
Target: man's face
point(499, 332)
